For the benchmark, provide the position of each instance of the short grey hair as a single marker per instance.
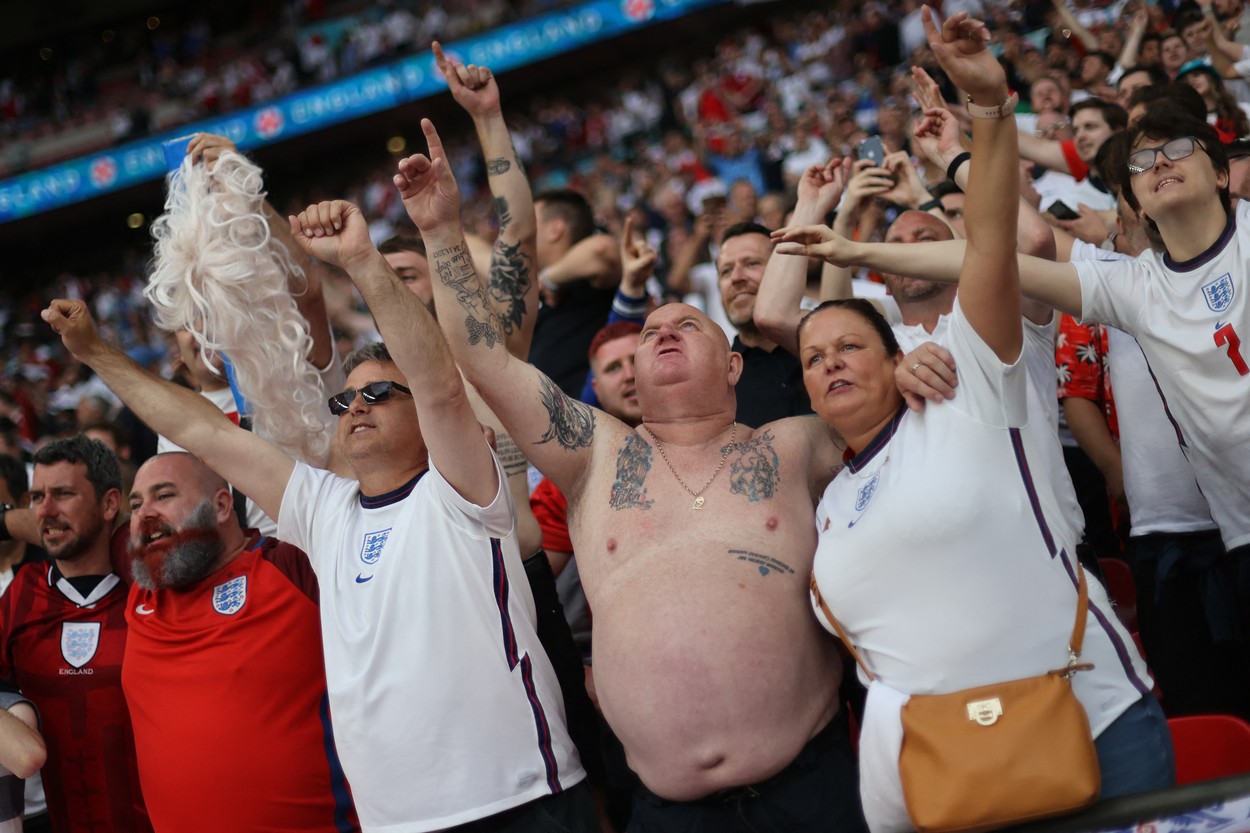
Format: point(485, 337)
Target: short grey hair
point(373, 352)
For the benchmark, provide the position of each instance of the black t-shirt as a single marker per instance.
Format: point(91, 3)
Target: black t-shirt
point(771, 386)
point(562, 334)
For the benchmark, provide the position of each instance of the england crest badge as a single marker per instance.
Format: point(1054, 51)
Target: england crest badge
point(1219, 293)
point(79, 641)
point(228, 598)
point(371, 549)
point(866, 492)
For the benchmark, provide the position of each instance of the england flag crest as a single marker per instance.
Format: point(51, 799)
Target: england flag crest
point(228, 598)
point(371, 549)
point(866, 492)
point(1219, 293)
point(79, 641)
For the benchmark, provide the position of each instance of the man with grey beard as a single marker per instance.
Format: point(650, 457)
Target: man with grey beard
point(224, 655)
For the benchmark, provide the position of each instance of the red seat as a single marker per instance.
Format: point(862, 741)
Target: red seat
point(1209, 746)
point(1120, 587)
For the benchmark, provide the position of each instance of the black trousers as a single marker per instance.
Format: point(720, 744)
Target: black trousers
point(817, 793)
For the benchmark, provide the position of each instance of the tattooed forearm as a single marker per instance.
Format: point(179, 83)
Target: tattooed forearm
point(572, 422)
point(495, 167)
point(454, 268)
point(501, 209)
point(764, 563)
point(510, 456)
point(632, 466)
point(510, 270)
point(754, 472)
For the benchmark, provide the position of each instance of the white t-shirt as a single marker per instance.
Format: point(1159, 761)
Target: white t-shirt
point(946, 562)
point(1158, 481)
point(1190, 319)
point(445, 706)
point(1043, 403)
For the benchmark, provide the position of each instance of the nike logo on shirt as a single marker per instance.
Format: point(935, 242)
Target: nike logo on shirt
point(361, 578)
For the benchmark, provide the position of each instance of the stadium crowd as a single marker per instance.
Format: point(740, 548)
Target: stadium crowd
point(657, 267)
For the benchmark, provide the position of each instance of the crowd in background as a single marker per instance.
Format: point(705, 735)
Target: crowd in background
point(698, 143)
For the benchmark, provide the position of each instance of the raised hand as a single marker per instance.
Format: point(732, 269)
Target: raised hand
point(925, 90)
point(813, 241)
point(937, 136)
point(209, 147)
point(427, 185)
point(334, 232)
point(821, 186)
point(473, 87)
point(908, 188)
point(71, 320)
point(866, 182)
point(960, 48)
point(637, 261)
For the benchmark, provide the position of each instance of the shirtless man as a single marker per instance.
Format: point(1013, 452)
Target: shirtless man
point(708, 662)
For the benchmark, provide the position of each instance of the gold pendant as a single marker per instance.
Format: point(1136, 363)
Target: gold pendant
point(698, 502)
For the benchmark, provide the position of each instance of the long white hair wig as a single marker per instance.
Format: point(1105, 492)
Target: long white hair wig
point(219, 272)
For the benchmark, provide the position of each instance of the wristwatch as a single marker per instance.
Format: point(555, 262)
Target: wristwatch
point(1108, 245)
point(1002, 111)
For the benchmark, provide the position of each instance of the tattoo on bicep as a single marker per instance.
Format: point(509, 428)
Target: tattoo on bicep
point(764, 563)
point(572, 422)
point(755, 471)
point(495, 167)
point(509, 281)
point(510, 456)
point(454, 268)
point(633, 463)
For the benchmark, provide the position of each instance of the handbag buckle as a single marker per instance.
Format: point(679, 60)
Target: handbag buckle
point(985, 712)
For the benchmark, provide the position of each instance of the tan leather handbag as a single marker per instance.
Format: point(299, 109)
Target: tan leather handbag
point(996, 755)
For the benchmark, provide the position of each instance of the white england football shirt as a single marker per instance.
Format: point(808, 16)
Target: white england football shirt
point(1190, 319)
point(445, 706)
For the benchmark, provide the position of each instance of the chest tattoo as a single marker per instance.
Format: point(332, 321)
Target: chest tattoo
point(754, 470)
point(632, 465)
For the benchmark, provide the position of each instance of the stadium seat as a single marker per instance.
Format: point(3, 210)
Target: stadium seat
point(1118, 577)
point(1209, 746)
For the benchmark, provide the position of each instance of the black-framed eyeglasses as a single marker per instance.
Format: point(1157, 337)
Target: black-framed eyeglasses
point(373, 393)
point(1176, 150)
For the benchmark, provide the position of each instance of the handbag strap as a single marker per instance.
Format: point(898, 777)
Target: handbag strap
point(837, 626)
point(1074, 644)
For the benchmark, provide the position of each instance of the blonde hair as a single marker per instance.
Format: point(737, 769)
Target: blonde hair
point(218, 272)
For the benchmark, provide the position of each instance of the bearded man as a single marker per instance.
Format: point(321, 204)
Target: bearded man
point(223, 670)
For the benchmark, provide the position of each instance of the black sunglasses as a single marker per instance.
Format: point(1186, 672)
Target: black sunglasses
point(373, 393)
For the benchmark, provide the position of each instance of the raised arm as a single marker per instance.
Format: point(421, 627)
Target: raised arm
point(337, 233)
point(989, 280)
point(306, 286)
point(1085, 36)
point(554, 431)
point(1054, 284)
point(512, 285)
point(777, 303)
point(254, 466)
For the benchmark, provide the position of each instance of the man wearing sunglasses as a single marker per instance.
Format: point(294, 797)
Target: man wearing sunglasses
point(446, 709)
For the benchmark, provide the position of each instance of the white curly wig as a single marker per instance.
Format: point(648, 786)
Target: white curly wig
point(219, 272)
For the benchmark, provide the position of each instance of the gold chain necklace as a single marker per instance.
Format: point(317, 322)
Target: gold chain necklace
point(699, 500)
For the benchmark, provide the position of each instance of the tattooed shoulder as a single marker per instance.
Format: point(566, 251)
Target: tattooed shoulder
point(633, 463)
point(754, 469)
point(572, 422)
